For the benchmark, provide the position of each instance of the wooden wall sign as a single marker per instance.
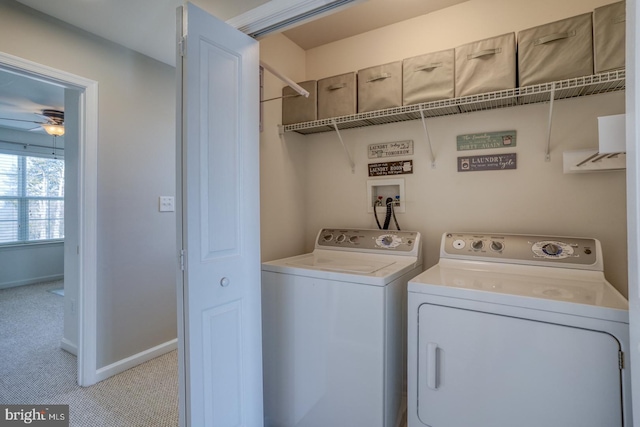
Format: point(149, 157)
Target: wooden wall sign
point(391, 168)
point(483, 141)
point(391, 149)
point(490, 162)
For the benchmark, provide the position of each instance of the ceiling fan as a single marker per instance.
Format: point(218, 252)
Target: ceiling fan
point(53, 122)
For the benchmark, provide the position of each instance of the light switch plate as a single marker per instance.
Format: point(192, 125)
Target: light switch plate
point(167, 204)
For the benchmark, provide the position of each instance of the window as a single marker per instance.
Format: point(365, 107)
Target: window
point(31, 199)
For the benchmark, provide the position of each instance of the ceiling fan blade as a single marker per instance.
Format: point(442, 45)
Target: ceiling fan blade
point(21, 120)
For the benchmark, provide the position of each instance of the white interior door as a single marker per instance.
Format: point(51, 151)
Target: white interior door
point(218, 161)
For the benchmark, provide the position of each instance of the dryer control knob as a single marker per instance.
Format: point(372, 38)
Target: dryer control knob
point(341, 238)
point(497, 246)
point(353, 239)
point(387, 240)
point(477, 245)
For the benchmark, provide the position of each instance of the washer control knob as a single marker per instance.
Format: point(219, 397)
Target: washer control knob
point(551, 249)
point(387, 240)
point(353, 239)
point(327, 237)
point(341, 238)
point(477, 245)
point(497, 246)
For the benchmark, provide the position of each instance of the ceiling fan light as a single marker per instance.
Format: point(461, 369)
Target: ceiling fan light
point(54, 130)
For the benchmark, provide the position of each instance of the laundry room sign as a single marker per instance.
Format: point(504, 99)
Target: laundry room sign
point(391, 149)
point(483, 141)
point(490, 162)
point(391, 168)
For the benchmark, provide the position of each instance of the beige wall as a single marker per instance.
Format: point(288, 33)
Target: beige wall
point(463, 23)
point(283, 164)
point(536, 198)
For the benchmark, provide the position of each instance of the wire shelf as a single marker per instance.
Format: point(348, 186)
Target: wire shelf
point(572, 88)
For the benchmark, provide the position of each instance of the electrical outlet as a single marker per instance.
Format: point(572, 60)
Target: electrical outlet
point(167, 204)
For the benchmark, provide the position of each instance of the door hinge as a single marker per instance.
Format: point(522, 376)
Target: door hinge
point(621, 360)
point(181, 46)
point(182, 252)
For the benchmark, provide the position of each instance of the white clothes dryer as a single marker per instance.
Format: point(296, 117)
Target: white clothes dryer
point(513, 330)
point(334, 330)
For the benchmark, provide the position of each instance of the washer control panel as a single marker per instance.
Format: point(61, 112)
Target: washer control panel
point(522, 249)
point(406, 242)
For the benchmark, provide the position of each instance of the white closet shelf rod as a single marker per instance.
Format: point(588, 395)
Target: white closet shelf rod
point(285, 79)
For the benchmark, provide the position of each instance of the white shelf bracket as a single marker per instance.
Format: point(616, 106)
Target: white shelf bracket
point(281, 133)
point(353, 165)
point(426, 133)
point(547, 152)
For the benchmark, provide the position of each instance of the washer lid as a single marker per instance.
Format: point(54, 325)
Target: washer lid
point(354, 267)
point(343, 264)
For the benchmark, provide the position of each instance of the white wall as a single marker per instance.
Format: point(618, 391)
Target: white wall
point(136, 155)
point(536, 198)
point(28, 264)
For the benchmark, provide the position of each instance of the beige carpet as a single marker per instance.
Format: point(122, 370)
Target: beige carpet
point(35, 370)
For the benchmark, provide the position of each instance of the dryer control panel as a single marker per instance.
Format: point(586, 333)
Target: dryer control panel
point(382, 241)
point(570, 252)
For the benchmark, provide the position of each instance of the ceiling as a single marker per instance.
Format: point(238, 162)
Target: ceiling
point(361, 18)
point(22, 99)
point(148, 27)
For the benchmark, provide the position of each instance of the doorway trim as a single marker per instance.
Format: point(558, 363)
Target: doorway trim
point(87, 202)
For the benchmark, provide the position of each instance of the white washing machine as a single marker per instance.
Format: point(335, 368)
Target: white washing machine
point(334, 330)
point(512, 330)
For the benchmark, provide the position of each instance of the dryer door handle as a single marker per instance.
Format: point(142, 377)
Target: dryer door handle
point(432, 365)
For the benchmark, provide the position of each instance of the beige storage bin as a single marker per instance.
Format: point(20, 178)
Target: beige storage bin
point(608, 37)
point(486, 66)
point(380, 87)
point(297, 108)
point(556, 51)
point(428, 77)
point(337, 96)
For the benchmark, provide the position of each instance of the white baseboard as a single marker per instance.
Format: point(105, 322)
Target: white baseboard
point(135, 360)
point(68, 346)
point(31, 281)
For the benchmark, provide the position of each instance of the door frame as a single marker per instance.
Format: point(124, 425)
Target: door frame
point(86, 203)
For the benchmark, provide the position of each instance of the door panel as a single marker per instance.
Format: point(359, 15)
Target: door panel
point(486, 370)
point(220, 165)
point(219, 194)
